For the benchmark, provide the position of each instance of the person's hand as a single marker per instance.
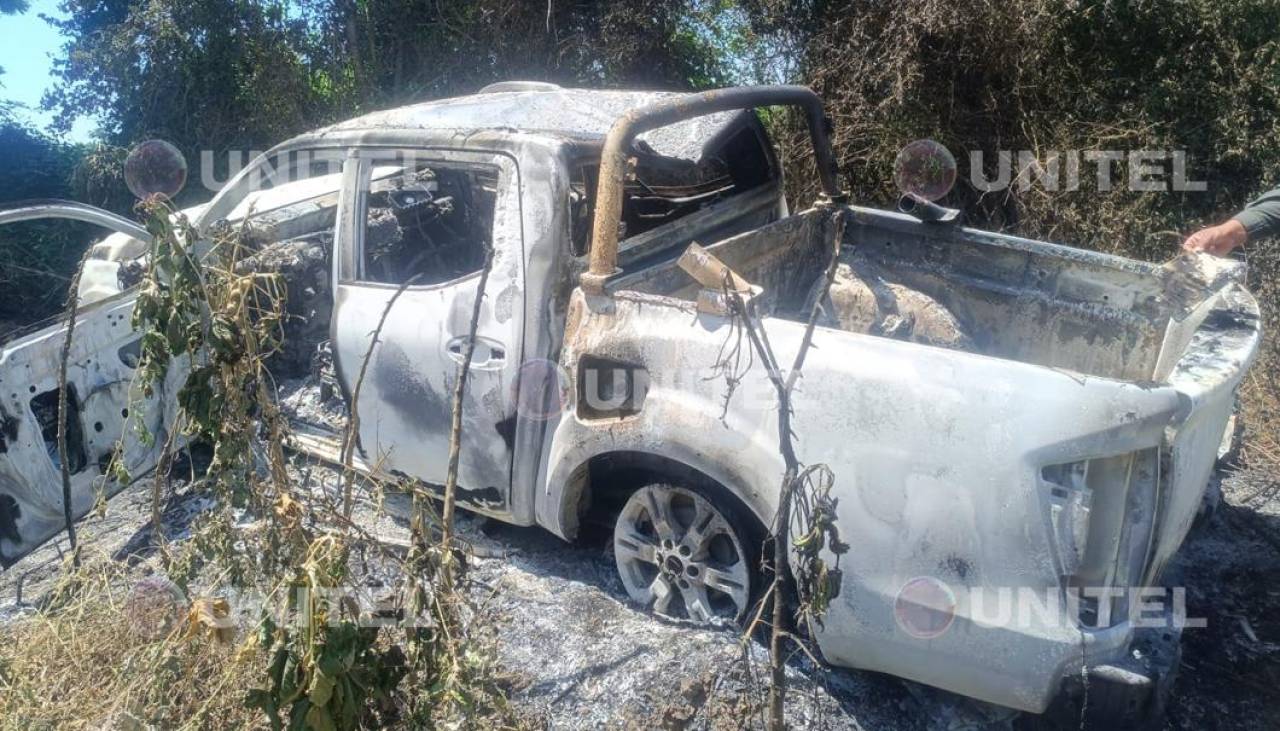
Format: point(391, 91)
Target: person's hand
point(1217, 240)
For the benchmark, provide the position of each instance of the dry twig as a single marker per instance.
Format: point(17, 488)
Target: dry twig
point(73, 308)
point(783, 385)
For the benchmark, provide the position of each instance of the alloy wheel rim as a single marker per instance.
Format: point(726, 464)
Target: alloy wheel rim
point(679, 556)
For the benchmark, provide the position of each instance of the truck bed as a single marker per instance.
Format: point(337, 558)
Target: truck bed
point(1016, 299)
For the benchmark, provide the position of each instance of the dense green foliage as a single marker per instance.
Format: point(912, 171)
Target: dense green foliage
point(398, 51)
point(221, 75)
point(204, 75)
point(37, 258)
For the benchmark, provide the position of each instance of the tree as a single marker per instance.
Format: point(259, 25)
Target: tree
point(222, 75)
point(203, 74)
point(398, 51)
point(217, 73)
point(36, 258)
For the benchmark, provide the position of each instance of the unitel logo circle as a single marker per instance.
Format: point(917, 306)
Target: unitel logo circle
point(154, 607)
point(925, 169)
point(925, 608)
point(542, 390)
point(155, 168)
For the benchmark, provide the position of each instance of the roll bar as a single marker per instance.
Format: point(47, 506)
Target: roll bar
point(617, 152)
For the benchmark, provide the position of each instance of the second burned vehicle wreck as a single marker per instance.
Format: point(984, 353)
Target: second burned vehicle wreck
point(999, 413)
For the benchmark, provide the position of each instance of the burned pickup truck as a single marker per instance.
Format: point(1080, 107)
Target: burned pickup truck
point(1003, 417)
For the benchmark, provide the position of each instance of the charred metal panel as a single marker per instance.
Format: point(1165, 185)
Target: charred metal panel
point(1207, 373)
point(105, 408)
point(933, 451)
point(100, 399)
point(580, 114)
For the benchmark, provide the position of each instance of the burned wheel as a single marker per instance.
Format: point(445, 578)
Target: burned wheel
point(680, 555)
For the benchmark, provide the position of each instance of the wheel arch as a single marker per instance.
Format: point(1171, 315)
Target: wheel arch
point(611, 475)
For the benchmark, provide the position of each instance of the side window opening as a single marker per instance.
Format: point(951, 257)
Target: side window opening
point(667, 189)
point(429, 222)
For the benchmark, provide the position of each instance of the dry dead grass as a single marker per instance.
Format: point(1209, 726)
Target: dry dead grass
point(1260, 405)
point(98, 657)
point(1260, 395)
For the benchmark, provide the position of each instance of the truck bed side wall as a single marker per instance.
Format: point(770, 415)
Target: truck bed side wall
point(1020, 299)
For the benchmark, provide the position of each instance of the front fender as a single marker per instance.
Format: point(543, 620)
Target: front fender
point(684, 415)
point(677, 426)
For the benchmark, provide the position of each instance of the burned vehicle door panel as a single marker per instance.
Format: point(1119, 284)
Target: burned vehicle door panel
point(115, 428)
point(104, 407)
point(419, 236)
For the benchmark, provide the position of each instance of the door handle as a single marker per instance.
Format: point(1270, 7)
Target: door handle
point(486, 353)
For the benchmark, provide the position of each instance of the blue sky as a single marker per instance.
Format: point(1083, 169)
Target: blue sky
point(26, 45)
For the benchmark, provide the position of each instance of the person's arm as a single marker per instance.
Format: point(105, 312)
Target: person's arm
point(1259, 218)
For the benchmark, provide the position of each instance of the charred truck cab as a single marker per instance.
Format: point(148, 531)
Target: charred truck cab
point(1007, 420)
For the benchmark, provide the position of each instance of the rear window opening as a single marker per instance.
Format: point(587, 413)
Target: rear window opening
point(665, 189)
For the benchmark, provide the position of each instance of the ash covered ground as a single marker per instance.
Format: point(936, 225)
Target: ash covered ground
point(576, 655)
